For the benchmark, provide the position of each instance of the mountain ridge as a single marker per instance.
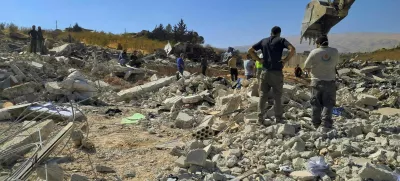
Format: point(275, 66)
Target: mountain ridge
point(347, 42)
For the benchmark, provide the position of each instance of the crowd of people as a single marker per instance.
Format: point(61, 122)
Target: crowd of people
point(320, 64)
point(268, 69)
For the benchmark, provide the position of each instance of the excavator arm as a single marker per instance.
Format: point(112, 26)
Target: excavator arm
point(321, 16)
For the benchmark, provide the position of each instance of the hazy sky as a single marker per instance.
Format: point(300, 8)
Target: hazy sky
point(223, 23)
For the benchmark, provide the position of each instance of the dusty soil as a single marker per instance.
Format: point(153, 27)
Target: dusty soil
point(125, 148)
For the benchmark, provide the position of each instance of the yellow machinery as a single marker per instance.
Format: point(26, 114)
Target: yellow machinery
point(321, 16)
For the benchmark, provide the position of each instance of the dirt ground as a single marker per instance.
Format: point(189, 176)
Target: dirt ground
point(125, 148)
point(130, 148)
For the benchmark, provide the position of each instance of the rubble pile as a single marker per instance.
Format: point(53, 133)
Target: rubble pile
point(229, 144)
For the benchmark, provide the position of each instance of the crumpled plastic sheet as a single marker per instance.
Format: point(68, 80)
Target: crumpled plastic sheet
point(317, 166)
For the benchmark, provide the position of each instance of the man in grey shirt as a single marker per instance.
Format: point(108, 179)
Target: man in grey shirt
point(321, 64)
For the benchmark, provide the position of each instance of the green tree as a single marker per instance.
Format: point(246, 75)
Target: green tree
point(77, 28)
point(168, 28)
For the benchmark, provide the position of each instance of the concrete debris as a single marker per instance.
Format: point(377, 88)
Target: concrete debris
point(228, 142)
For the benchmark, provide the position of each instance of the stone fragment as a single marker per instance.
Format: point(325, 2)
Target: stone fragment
point(302, 176)
point(370, 171)
point(183, 121)
point(104, 169)
point(286, 129)
point(365, 99)
point(182, 162)
point(76, 177)
point(197, 157)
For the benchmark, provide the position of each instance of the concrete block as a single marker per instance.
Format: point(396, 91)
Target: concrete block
point(168, 103)
point(184, 121)
point(127, 94)
point(365, 99)
point(197, 157)
point(55, 88)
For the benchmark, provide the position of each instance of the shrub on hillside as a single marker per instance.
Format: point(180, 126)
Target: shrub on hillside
point(2, 26)
point(12, 27)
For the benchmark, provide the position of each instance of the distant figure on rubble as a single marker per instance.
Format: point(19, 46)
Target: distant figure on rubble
point(33, 34)
point(297, 71)
point(134, 62)
point(40, 40)
point(232, 65)
point(321, 64)
point(249, 67)
point(204, 64)
point(180, 65)
point(123, 58)
point(272, 75)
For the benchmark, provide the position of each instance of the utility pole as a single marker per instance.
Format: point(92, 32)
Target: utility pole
point(56, 25)
point(125, 30)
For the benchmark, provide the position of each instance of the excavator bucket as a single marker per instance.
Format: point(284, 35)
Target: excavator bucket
point(321, 16)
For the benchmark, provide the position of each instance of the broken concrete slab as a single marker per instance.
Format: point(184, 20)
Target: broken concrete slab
point(63, 50)
point(388, 111)
point(370, 171)
point(18, 72)
point(192, 99)
point(182, 162)
point(171, 101)
point(127, 94)
point(33, 133)
point(370, 69)
point(365, 99)
point(344, 71)
point(55, 88)
point(20, 90)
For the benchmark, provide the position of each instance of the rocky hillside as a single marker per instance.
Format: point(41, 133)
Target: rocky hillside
point(349, 42)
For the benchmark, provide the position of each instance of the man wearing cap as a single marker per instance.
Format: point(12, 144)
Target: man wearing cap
point(321, 64)
point(272, 75)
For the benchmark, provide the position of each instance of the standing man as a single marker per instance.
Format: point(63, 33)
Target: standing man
point(40, 40)
point(321, 64)
point(180, 65)
point(204, 65)
point(249, 67)
point(233, 68)
point(33, 34)
point(272, 75)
